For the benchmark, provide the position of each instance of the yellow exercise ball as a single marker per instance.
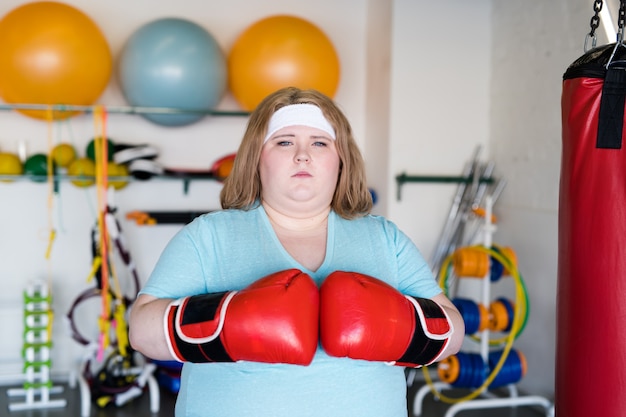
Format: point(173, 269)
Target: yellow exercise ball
point(281, 51)
point(52, 53)
point(117, 170)
point(63, 154)
point(10, 164)
point(84, 169)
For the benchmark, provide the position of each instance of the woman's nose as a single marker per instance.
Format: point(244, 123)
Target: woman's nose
point(302, 155)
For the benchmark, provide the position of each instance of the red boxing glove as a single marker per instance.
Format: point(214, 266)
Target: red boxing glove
point(362, 317)
point(274, 320)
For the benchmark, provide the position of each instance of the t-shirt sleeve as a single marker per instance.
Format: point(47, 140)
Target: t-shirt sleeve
point(414, 273)
point(178, 271)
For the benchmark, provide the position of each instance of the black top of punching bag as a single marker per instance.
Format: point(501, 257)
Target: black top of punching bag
point(593, 63)
point(607, 63)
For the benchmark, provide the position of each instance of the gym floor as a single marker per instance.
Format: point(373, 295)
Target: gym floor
point(140, 407)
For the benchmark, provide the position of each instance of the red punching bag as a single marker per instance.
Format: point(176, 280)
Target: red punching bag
point(591, 290)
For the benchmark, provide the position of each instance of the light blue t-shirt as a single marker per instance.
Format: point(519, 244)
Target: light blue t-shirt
point(230, 249)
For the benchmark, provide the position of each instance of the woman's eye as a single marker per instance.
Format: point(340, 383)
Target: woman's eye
point(283, 143)
point(319, 143)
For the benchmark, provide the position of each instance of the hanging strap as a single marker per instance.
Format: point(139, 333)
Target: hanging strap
point(611, 116)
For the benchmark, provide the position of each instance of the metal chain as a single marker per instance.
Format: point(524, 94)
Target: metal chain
point(620, 21)
point(595, 19)
point(594, 23)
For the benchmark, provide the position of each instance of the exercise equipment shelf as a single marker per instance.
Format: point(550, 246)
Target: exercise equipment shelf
point(42, 179)
point(122, 109)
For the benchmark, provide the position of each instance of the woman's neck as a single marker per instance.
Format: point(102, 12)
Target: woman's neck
point(300, 223)
point(303, 236)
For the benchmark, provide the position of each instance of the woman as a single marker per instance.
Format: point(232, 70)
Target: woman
point(235, 293)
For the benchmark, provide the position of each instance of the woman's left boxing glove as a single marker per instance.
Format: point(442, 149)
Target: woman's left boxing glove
point(363, 317)
point(274, 320)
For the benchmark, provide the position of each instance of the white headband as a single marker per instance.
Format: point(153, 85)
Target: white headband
point(299, 115)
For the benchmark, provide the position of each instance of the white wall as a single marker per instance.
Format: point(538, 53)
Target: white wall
point(439, 105)
point(25, 213)
point(457, 75)
point(496, 69)
point(533, 44)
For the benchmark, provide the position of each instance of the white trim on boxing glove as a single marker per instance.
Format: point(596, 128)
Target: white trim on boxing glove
point(420, 314)
point(445, 337)
point(218, 330)
point(176, 304)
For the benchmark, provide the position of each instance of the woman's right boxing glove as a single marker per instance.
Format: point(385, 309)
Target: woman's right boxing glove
point(274, 320)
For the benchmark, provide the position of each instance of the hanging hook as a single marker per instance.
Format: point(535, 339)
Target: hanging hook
point(593, 23)
point(594, 41)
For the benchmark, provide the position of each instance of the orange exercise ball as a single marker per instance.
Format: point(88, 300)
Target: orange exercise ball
point(52, 53)
point(281, 51)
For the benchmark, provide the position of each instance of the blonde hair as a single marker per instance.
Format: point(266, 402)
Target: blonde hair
point(242, 188)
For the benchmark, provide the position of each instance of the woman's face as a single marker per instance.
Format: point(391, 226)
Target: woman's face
point(299, 164)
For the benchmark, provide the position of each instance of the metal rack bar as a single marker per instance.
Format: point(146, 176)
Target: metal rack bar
point(42, 179)
point(120, 109)
point(403, 178)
